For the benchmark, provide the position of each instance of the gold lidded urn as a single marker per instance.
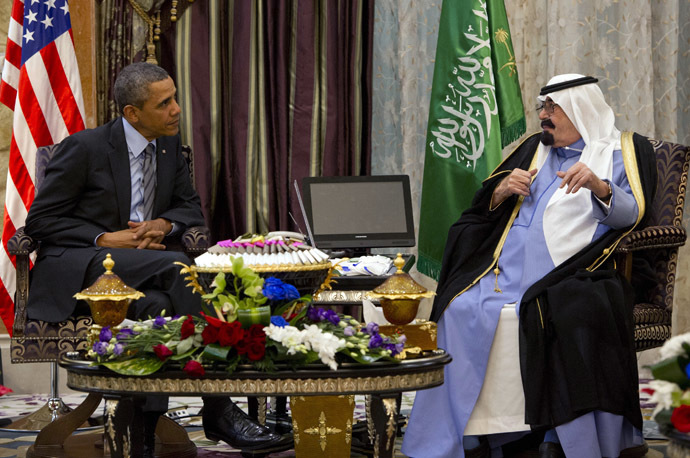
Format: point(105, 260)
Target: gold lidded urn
point(108, 298)
point(399, 295)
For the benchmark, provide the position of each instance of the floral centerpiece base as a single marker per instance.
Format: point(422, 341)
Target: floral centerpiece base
point(297, 334)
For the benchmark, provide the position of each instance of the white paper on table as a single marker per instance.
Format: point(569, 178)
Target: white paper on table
point(372, 314)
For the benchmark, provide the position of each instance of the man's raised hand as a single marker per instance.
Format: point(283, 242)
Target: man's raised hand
point(518, 182)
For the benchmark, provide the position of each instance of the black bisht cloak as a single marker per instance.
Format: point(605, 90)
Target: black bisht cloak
point(576, 329)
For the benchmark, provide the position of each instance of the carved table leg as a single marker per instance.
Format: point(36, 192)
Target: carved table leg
point(384, 413)
point(118, 418)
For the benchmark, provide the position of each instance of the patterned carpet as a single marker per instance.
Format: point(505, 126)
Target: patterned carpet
point(14, 444)
point(183, 409)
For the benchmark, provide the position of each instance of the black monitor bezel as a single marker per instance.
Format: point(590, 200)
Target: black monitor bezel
point(345, 241)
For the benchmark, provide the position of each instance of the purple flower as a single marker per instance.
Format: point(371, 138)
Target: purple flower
point(277, 320)
point(101, 348)
point(159, 322)
point(349, 331)
point(316, 314)
point(375, 341)
point(118, 349)
point(332, 316)
point(398, 348)
point(402, 338)
point(124, 333)
point(372, 328)
point(390, 347)
point(106, 334)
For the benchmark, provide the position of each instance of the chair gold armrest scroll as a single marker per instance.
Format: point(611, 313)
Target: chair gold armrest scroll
point(21, 245)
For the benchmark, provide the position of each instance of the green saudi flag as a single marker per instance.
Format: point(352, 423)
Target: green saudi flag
point(475, 110)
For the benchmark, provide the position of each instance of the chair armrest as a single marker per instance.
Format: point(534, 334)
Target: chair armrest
point(21, 245)
point(652, 237)
point(196, 240)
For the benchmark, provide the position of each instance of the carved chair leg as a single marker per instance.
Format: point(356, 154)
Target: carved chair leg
point(55, 433)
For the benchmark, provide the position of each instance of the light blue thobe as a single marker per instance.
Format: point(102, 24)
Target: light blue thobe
point(466, 329)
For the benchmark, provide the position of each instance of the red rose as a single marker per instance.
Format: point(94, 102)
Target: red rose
point(680, 417)
point(209, 334)
point(242, 346)
point(230, 334)
point(194, 368)
point(187, 327)
point(162, 352)
point(256, 350)
point(256, 332)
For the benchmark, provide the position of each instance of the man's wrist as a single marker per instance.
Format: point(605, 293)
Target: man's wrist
point(607, 193)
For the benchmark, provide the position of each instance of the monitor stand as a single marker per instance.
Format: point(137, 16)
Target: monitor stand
point(348, 253)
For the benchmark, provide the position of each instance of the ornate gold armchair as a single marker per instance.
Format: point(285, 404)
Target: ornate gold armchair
point(649, 255)
point(40, 341)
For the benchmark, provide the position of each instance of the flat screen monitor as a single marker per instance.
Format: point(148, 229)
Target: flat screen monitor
point(358, 213)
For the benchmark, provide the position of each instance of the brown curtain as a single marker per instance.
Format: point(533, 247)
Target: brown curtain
point(272, 91)
point(118, 48)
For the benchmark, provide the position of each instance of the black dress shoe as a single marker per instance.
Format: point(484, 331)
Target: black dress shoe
point(231, 425)
point(551, 450)
point(635, 452)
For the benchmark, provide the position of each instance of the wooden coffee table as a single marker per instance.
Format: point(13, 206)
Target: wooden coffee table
point(384, 381)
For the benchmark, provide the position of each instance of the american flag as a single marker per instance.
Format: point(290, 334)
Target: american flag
point(40, 82)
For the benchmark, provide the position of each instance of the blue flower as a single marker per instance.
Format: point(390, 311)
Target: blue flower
point(106, 334)
point(101, 348)
point(277, 320)
point(159, 322)
point(274, 289)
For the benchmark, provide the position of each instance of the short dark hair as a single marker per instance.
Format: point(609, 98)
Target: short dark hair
point(132, 84)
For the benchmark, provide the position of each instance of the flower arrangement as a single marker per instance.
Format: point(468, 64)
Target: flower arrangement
point(297, 334)
point(670, 388)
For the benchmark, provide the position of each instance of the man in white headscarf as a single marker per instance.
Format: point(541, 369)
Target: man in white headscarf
point(529, 303)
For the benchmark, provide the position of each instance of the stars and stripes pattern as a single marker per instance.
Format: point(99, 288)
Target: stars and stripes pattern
point(40, 82)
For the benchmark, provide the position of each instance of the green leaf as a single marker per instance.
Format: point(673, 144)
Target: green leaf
point(365, 359)
point(184, 355)
point(671, 371)
point(232, 364)
point(140, 365)
point(215, 352)
point(265, 365)
point(220, 281)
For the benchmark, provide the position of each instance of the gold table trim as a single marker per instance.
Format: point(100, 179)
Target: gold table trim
point(287, 386)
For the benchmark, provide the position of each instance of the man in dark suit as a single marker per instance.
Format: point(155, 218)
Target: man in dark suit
point(123, 188)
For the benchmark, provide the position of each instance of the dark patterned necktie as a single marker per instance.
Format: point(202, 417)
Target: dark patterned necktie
point(149, 180)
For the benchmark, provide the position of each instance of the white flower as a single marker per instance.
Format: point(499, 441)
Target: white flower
point(310, 338)
point(663, 394)
point(674, 346)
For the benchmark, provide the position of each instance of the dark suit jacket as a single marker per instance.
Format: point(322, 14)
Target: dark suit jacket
point(87, 191)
